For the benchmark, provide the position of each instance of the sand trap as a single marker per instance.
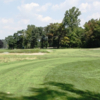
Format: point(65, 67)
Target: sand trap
point(49, 50)
point(22, 53)
point(95, 49)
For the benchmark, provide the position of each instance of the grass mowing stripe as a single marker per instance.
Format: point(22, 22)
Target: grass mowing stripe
point(66, 71)
point(77, 74)
point(23, 75)
point(33, 70)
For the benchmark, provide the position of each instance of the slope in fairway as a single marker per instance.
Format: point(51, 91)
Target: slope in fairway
point(75, 81)
point(60, 75)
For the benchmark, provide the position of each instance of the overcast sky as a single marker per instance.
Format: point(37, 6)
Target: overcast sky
point(17, 14)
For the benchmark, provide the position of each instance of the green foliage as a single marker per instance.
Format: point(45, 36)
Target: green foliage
point(51, 31)
point(65, 42)
point(44, 41)
point(92, 33)
point(1, 44)
point(10, 40)
point(34, 37)
point(76, 37)
point(71, 23)
point(18, 37)
point(71, 20)
point(4, 43)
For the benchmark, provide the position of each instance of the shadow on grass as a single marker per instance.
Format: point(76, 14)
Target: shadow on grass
point(54, 91)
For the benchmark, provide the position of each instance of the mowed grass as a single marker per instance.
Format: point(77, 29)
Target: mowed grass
point(63, 74)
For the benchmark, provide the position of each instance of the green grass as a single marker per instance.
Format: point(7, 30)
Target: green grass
point(64, 74)
point(76, 79)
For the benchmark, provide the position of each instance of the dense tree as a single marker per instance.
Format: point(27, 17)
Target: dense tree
point(50, 31)
point(34, 37)
point(65, 42)
point(65, 34)
point(18, 37)
point(79, 36)
point(92, 33)
point(71, 20)
point(28, 32)
point(40, 30)
point(1, 44)
point(44, 41)
point(71, 23)
point(4, 43)
point(59, 33)
point(11, 42)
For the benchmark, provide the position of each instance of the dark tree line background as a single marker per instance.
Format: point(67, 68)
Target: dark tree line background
point(1, 44)
point(67, 34)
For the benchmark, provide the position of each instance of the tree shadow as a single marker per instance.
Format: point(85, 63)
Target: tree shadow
point(6, 96)
point(54, 91)
point(84, 95)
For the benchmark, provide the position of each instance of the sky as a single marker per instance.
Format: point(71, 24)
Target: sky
point(17, 14)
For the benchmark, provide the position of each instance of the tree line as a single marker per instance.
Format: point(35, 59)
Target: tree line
point(67, 34)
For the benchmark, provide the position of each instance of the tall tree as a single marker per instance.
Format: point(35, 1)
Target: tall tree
point(50, 31)
point(4, 43)
point(92, 33)
point(28, 35)
point(10, 41)
point(34, 37)
point(71, 23)
point(1, 44)
point(71, 20)
point(44, 41)
point(18, 37)
point(59, 33)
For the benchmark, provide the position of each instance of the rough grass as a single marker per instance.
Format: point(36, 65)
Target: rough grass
point(64, 74)
point(23, 50)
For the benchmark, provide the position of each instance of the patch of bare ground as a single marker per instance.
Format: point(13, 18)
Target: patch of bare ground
point(22, 53)
point(49, 50)
point(94, 49)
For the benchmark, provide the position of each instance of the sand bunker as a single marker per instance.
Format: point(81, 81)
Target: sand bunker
point(22, 53)
point(49, 50)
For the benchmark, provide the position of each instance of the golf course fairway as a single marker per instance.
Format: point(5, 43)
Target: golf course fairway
point(61, 74)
